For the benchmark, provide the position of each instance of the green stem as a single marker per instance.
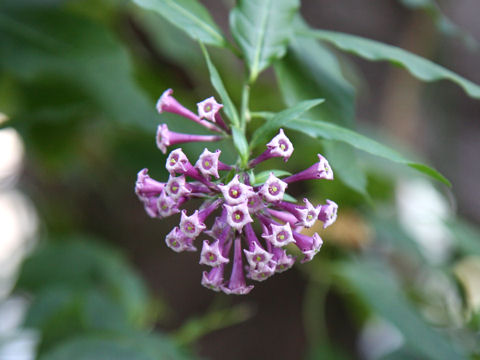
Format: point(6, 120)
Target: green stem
point(245, 112)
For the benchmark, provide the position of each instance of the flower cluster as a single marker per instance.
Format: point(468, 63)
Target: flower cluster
point(253, 219)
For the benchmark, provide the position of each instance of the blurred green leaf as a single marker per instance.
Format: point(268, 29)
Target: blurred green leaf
point(310, 70)
point(262, 134)
point(467, 236)
point(261, 177)
point(373, 282)
point(217, 83)
point(134, 346)
point(80, 265)
point(334, 132)
point(262, 30)
point(419, 67)
point(50, 41)
point(443, 24)
point(189, 16)
point(241, 144)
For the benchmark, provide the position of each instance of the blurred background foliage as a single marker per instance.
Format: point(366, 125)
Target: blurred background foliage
point(399, 274)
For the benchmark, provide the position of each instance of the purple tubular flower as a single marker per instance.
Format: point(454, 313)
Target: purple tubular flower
point(146, 186)
point(166, 138)
point(284, 261)
point(178, 242)
point(191, 226)
point(234, 204)
point(209, 164)
point(309, 246)
point(213, 280)
point(167, 206)
point(281, 235)
point(328, 213)
point(262, 273)
point(257, 257)
point(273, 189)
point(320, 170)
point(238, 216)
point(309, 214)
point(209, 109)
point(237, 285)
point(150, 205)
point(176, 187)
point(235, 192)
point(284, 216)
point(212, 254)
point(279, 146)
point(167, 103)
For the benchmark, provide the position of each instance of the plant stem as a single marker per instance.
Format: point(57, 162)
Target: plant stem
point(245, 112)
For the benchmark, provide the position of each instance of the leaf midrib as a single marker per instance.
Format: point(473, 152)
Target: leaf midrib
point(195, 19)
point(258, 49)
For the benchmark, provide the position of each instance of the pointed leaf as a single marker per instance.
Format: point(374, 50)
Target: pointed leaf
point(330, 131)
point(376, 285)
point(419, 67)
point(262, 29)
point(280, 119)
point(217, 83)
point(189, 16)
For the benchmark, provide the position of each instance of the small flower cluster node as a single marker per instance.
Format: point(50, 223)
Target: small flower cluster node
point(232, 204)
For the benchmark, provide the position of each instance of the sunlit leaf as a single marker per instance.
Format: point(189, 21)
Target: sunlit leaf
point(373, 282)
point(190, 16)
point(324, 130)
point(262, 29)
point(264, 132)
point(419, 67)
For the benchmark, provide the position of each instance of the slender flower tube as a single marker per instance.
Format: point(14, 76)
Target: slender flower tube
point(257, 256)
point(166, 138)
point(328, 213)
point(309, 246)
point(279, 146)
point(237, 285)
point(167, 103)
point(320, 170)
point(146, 186)
point(209, 109)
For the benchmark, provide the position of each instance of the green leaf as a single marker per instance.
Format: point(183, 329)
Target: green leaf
point(467, 236)
point(372, 50)
point(311, 70)
point(280, 119)
point(374, 283)
point(334, 132)
point(261, 177)
point(53, 42)
point(217, 83)
point(262, 30)
point(241, 144)
point(190, 16)
point(443, 24)
point(80, 264)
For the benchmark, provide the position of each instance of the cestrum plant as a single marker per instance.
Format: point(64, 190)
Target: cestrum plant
point(252, 226)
